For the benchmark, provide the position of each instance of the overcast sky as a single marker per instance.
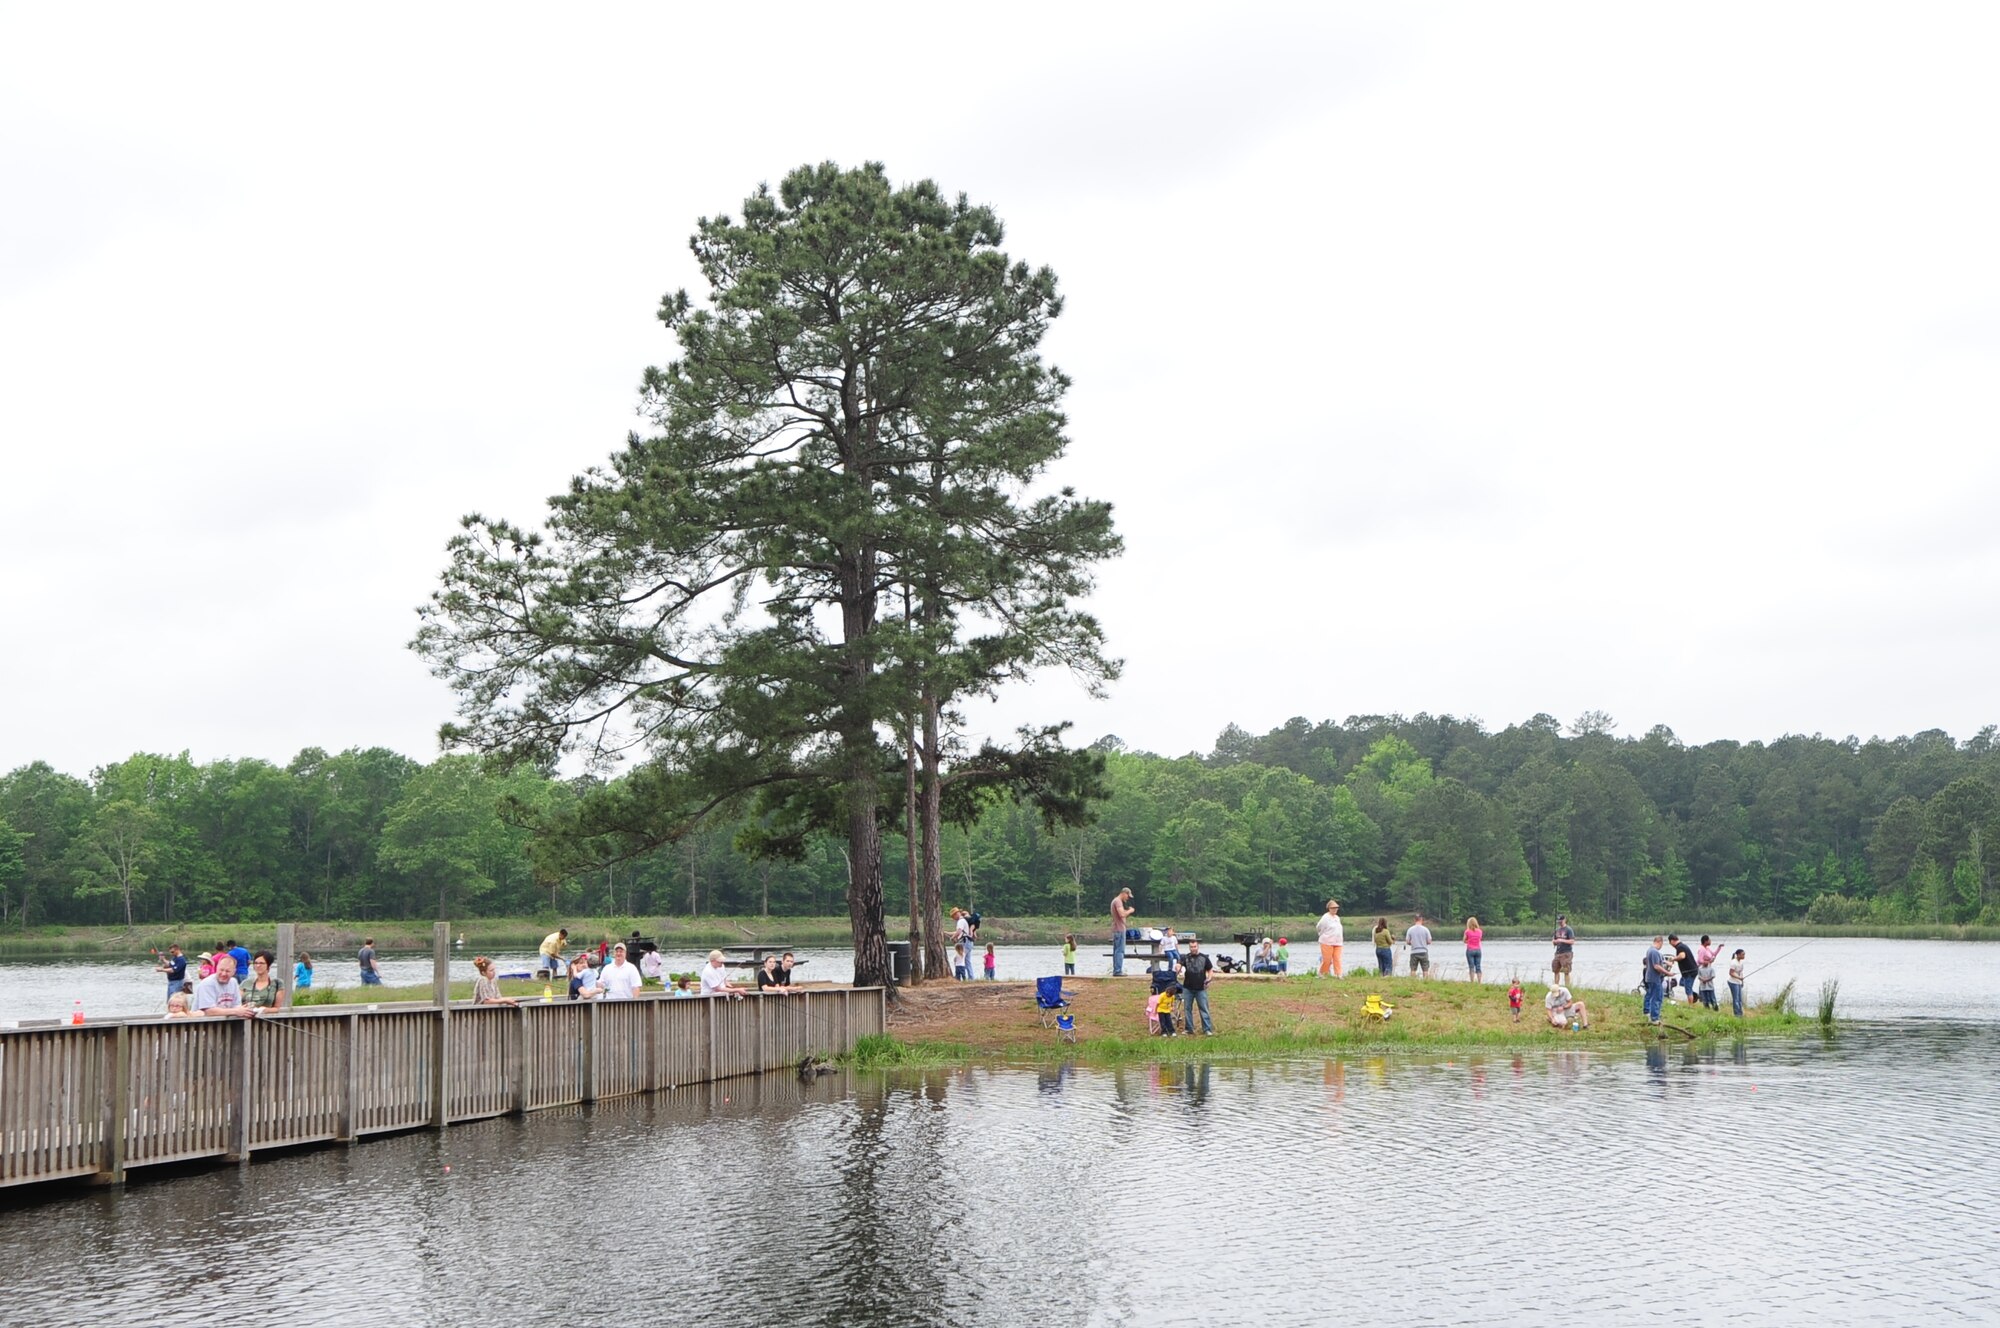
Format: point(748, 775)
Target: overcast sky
point(1482, 360)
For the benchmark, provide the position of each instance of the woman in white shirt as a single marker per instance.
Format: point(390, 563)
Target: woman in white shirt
point(1332, 936)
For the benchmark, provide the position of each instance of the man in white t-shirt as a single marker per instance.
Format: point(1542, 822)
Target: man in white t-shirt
point(620, 980)
point(218, 994)
point(715, 978)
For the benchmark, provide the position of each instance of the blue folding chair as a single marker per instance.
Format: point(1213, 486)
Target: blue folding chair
point(1049, 998)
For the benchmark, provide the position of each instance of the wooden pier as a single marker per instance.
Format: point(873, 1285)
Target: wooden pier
point(96, 1100)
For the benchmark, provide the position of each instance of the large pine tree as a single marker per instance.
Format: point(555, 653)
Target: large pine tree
point(858, 408)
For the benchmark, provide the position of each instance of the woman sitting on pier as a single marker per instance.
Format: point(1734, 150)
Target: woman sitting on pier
point(263, 990)
point(485, 987)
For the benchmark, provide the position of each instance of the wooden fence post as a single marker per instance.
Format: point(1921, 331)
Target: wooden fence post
point(441, 964)
point(708, 1021)
point(238, 1096)
point(117, 1106)
point(441, 1069)
point(517, 1061)
point(287, 952)
point(350, 1105)
point(588, 1089)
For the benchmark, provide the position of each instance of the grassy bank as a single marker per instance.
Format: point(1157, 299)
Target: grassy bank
point(517, 934)
point(1264, 1017)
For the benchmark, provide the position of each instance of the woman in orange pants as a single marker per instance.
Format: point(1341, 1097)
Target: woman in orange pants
point(1331, 937)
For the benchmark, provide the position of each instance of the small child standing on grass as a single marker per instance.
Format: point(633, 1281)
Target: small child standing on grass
point(989, 963)
point(1069, 956)
point(1514, 999)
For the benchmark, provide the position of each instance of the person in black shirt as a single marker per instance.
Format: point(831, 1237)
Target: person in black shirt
point(175, 965)
point(1684, 960)
point(768, 976)
point(1193, 973)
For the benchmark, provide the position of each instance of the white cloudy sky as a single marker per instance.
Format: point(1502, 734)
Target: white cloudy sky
point(1483, 359)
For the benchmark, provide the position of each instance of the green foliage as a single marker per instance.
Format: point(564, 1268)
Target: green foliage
point(1528, 821)
point(879, 1051)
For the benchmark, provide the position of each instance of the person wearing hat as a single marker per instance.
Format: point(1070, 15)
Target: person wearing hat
point(1565, 955)
point(620, 979)
point(1332, 939)
point(1266, 960)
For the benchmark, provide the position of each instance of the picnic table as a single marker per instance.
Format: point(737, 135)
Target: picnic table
point(752, 956)
point(1151, 953)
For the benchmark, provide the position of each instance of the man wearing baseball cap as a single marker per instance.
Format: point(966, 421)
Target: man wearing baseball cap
point(620, 980)
point(1565, 952)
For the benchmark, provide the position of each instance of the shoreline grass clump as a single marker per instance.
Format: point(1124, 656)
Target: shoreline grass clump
point(1829, 991)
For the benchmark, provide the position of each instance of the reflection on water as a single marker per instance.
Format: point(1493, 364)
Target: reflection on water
point(1845, 1179)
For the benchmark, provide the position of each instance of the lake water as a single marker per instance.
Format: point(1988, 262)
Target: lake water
point(1843, 1180)
point(1878, 978)
point(1816, 1179)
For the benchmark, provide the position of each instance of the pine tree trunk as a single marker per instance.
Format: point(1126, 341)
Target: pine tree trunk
point(919, 957)
point(933, 844)
point(864, 889)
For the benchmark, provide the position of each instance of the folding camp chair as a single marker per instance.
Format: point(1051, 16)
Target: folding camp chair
point(1066, 1025)
point(1049, 998)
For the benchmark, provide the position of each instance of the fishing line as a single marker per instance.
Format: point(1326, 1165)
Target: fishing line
point(1779, 960)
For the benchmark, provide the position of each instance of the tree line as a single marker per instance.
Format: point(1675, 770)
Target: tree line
point(1385, 812)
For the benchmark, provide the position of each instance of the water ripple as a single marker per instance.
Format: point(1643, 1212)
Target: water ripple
point(1846, 1180)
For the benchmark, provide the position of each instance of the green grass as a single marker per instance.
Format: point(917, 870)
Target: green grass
point(879, 1051)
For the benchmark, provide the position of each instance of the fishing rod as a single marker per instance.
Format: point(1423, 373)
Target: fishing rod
point(1779, 960)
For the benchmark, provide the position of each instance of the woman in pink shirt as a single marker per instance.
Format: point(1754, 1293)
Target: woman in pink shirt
point(1475, 935)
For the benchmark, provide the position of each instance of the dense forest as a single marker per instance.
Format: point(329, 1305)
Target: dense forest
point(1388, 813)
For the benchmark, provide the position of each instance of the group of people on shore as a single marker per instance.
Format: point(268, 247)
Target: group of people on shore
point(965, 943)
point(1669, 962)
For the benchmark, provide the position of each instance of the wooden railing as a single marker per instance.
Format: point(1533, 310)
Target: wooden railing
point(101, 1098)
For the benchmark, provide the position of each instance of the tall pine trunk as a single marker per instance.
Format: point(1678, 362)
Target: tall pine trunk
point(931, 794)
point(863, 784)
